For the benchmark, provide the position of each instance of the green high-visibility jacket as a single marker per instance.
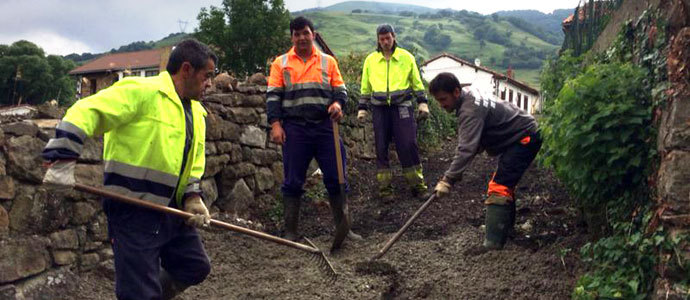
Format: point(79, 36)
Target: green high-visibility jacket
point(142, 121)
point(391, 82)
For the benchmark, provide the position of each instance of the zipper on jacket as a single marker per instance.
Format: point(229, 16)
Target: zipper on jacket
point(388, 93)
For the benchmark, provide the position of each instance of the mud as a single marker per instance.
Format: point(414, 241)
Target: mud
point(434, 259)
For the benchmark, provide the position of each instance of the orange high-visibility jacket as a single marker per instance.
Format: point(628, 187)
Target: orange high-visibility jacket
point(303, 90)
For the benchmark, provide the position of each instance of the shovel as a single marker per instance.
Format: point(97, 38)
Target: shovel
point(340, 210)
point(324, 265)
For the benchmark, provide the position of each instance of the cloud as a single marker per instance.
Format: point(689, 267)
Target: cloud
point(51, 42)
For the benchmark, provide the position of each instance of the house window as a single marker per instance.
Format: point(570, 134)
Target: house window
point(503, 94)
point(526, 103)
point(519, 99)
point(151, 73)
point(131, 74)
point(510, 96)
point(93, 86)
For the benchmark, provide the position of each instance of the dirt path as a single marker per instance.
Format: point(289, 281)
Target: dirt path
point(432, 260)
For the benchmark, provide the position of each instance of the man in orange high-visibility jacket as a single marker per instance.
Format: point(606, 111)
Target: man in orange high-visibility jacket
point(305, 88)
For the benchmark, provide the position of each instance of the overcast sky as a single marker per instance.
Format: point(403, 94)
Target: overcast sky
point(77, 26)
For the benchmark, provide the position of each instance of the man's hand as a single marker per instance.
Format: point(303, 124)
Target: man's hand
point(442, 188)
point(60, 175)
point(194, 205)
point(277, 133)
point(335, 111)
point(361, 115)
point(423, 111)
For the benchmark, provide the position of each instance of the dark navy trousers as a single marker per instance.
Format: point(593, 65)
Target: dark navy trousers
point(306, 141)
point(143, 241)
point(395, 123)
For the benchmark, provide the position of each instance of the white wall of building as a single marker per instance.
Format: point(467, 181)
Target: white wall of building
point(482, 80)
point(466, 74)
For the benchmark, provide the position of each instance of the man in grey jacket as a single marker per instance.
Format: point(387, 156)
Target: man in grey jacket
point(498, 127)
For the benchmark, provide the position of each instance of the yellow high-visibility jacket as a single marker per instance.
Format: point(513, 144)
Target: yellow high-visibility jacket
point(391, 82)
point(143, 123)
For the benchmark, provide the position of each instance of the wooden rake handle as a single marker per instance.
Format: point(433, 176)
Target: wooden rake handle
point(338, 153)
point(404, 228)
point(186, 215)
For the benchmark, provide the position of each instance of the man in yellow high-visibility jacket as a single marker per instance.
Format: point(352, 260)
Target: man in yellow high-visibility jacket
point(390, 80)
point(154, 136)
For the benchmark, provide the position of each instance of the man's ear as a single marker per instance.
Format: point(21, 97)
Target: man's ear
point(456, 93)
point(187, 69)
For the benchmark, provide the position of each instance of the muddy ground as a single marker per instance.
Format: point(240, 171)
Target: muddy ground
point(435, 259)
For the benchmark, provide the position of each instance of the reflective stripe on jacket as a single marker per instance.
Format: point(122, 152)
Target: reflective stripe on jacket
point(391, 82)
point(299, 89)
point(143, 123)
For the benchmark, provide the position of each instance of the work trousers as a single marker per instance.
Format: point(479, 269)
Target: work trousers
point(513, 163)
point(143, 241)
point(395, 123)
point(306, 141)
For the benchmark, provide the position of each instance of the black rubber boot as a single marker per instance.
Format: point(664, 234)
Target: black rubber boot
point(498, 224)
point(291, 213)
point(169, 286)
point(342, 220)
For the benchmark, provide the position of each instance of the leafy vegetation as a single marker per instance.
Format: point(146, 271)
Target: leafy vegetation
point(28, 76)
point(245, 33)
point(600, 139)
point(169, 40)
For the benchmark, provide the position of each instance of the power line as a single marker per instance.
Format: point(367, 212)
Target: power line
point(182, 24)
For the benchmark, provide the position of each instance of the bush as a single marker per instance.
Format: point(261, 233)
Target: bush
point(597, 133)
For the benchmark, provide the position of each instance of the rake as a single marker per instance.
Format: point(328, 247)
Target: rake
point(316, 254)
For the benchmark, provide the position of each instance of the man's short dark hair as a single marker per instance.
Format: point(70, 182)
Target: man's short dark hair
point(444, 82)
point(385, 29)
point(192, 51)
point(299, 23)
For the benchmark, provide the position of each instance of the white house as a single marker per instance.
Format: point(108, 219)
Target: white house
point(503, 87)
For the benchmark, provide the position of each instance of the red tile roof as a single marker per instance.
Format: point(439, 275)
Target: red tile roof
point(122, 61)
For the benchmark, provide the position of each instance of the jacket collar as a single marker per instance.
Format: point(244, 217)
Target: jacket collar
point(167, 87)
point(395, 56)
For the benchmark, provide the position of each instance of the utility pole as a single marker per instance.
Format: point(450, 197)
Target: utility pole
point(182, 24)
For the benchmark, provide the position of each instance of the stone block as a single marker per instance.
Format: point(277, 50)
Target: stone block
point(89, 260)
point(62, 257)
point(239, 198)
point(676, 129)
point(92, 151)
point(8, 292)
point(4, 221)
point(277, 169)
point(210, 148)
point(257, 79)
point(674, 175)
point(230, 131)
point(263, 120)
point(227, 147)
point(65, 239)
point(264, 157)
point(3, 162)
point(243, 115)
point(210, 190)
point(82, 212)
point(237, 171)
point(253, 136)
point(264, 179)
point(98, 229)
point(254, 100)
point(24, 158)
point(215, 164)
point(20, 128)
point(213, 127)
point(87, 174)
point(6, 187)
point(22, 258)
point(35, 210)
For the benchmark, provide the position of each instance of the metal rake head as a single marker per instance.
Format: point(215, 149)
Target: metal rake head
point(325, 266)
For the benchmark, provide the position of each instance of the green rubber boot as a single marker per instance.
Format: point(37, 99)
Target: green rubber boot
point(384, 178)
point(500, 217)
point(415, 179)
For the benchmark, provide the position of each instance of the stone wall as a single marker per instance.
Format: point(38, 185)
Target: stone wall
point(44, 234)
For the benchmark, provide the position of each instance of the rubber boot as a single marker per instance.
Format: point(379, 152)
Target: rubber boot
point(291, 213)
point(415, 179)
point(384, 179)
point(342, 220)
point(499, 219)
point(169, 286)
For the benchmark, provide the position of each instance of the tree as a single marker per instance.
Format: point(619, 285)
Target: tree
point(245, 33)
point(28, 76)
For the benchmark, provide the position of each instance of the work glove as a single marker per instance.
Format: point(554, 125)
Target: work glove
point(60, 175)
point(361, 115)
point(194, 205)
point(442, 188)
point(423, 111)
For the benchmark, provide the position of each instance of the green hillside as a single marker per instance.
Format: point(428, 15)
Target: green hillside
point(349, 6)
point(445, 31)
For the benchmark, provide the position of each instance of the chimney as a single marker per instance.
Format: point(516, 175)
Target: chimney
point(509, 72)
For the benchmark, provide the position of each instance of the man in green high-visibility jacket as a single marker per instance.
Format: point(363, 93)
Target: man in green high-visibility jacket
point(390, 80)
point(154, 138)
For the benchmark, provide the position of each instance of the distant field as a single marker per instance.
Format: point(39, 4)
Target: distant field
point(355, 32)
